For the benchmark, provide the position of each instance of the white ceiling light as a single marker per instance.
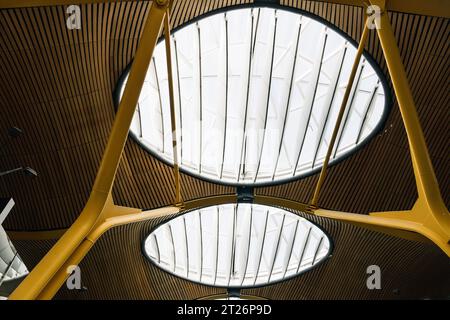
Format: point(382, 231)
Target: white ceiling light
point(257, 93)
point(237, 245)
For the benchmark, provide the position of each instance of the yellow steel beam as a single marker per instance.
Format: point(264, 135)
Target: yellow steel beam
point(117, 218)
point(274, 201)
point(429, 217)
point(57, 256)
point(114, 216)
point(429, 213)
point(117, 210)
point(400, 224)
point(210, 201)
point(121, 216)
point(426, 181)
point(337, 126)
point(438, 8)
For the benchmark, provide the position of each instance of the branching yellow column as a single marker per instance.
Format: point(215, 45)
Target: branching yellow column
point(429, 214)
point(34, 283)
point(116, 216)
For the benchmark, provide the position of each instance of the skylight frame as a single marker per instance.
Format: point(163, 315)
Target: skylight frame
point(189, 169)
point(325, 236)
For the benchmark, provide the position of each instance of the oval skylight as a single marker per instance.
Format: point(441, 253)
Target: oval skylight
point(257, 93)
point(237, 245)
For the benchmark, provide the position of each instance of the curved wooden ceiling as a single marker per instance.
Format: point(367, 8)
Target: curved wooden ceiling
point(116, 268)
point(57, 85)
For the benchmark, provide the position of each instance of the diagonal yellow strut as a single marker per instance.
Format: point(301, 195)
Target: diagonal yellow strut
point(351, 79)
point(61, 251)
point(429, 216)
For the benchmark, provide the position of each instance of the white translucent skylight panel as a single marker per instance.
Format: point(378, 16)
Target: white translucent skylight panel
point(257, 93)
point(187, 51)
point(239, 27)
point(237, 245)
point(11, 265)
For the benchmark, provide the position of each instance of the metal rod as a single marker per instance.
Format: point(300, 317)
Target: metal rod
point(157, 249)
point(333, 94)
point(178, 199)
point(242, 157)
point(233, 245)
point(256, 31)
point(268, 99)
point(226, 96)
point(140, 120)
point(316, 83)
point(179, 98)
point(369, 105)
point(317, 250)
point(217, 247)
point(201, 244)
point(277, 247)
point(160, 102)
point(288, 100)
point(187, 246)
point(200, 97)
point(262, 248)
point(347, 112)
point(359, 53)
point(304, 249)
point(173, 246)
point(248, 247)
point(291, 249)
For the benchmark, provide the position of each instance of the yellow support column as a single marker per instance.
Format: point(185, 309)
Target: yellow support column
point(116, 216)
point(34, 283)
point(429, 213)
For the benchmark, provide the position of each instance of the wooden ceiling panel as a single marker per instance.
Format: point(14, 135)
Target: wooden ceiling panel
point(57, 85)
point(406, 269)
point(116, 268)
